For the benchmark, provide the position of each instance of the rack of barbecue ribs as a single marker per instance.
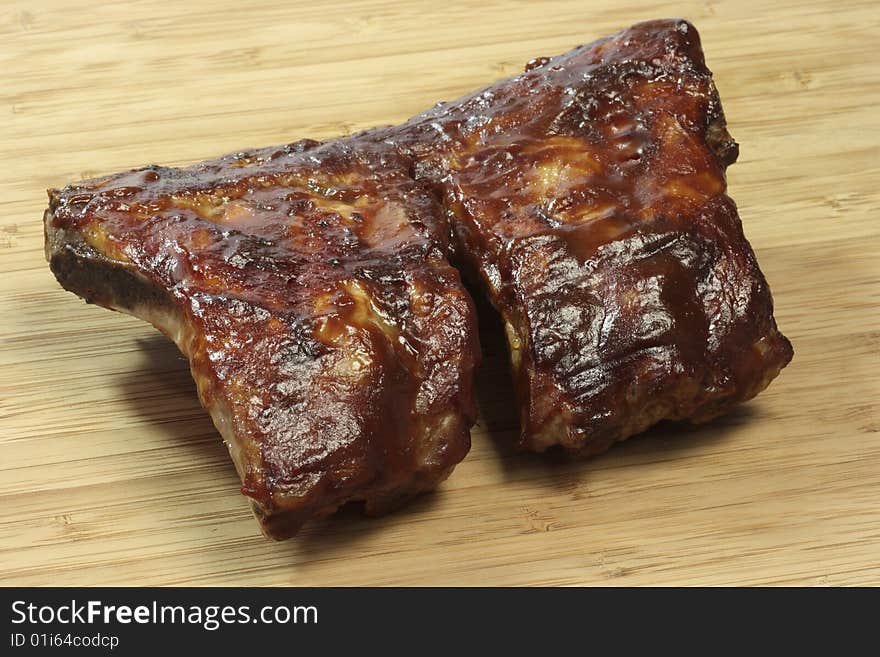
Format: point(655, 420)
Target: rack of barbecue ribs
point(331, 339)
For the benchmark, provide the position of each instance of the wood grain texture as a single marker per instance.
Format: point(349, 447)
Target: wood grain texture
point(110, 472)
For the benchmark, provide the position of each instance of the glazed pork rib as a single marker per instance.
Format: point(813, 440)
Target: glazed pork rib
point(588, 195)
point(308, 285)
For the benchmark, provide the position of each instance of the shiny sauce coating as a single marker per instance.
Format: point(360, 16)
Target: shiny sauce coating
point(334, 343)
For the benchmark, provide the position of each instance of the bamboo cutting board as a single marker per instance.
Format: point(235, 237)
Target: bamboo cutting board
point(111, 473)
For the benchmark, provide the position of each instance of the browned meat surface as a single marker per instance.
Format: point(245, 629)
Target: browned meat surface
point(589, 196)
point(332, 342)
point(308, 285)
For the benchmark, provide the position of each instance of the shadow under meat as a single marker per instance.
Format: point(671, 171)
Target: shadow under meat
point(350, 525)
point(163, 394)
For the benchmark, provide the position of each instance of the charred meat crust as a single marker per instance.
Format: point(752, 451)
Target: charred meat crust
point(83, 270)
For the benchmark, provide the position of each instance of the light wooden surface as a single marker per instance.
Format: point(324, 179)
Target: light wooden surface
point(110, 472)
